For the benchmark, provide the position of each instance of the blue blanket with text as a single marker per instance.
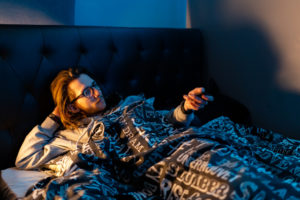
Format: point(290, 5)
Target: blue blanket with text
point(134, 153)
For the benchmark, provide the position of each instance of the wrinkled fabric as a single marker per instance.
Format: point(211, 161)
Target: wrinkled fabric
point(136, 154)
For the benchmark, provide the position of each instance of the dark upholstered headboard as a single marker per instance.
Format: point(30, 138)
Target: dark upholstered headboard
point(163, 63)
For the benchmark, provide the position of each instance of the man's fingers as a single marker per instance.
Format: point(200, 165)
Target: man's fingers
point(197, 91)
point(195, 105)
point(207, 97)
point(196, 98)
point(185, 97)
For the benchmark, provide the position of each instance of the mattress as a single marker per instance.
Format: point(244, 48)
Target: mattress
point(19, 181)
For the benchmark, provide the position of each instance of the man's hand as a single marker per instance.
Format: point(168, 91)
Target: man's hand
point(196, 99)
point(56, 112)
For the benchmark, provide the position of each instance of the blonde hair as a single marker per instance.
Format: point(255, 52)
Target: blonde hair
point(62, 97)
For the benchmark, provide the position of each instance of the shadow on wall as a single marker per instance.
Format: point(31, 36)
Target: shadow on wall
point(53, 12)
point(244, 62)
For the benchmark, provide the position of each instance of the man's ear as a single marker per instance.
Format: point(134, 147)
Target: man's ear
point(72, 108)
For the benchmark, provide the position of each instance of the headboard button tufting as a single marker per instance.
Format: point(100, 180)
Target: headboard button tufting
point(3, 54)
point(82, 49)
point(45, 51)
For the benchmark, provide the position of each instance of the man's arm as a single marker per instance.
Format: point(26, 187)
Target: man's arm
point(193, 101)
point(179, 116)
point(40, 145)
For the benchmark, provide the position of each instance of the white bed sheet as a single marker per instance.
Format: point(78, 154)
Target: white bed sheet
point(20, 180)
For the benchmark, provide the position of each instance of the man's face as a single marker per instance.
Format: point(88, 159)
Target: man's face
point(90, 105)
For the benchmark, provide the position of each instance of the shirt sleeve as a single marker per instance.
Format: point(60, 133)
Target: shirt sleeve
point(177, 116)
point(40, 145)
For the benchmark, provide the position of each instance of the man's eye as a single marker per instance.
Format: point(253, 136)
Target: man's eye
point(88, 92)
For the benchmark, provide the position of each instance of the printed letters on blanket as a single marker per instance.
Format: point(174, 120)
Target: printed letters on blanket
point(139, 155)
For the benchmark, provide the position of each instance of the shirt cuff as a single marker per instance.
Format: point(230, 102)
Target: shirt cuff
point(186, 112)
point(50, 124)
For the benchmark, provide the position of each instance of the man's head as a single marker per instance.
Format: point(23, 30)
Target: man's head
point(77, 96)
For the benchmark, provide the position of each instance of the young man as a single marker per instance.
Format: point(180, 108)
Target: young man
point(132, 151)
point(80, 105)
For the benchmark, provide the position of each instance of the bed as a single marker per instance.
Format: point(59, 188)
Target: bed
point(221, 156)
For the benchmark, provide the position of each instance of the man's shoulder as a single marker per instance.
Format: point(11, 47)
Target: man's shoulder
point(131, 99)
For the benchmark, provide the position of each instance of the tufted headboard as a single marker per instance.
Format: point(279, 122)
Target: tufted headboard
point(163, 63)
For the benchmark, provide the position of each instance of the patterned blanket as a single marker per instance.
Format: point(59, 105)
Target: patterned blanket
point(134, 153)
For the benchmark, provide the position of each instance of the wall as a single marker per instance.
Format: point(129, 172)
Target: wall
point(37, 12)
point(131, 13)
point(253, 53)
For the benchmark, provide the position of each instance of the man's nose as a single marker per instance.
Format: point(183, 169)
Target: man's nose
point(96, 92)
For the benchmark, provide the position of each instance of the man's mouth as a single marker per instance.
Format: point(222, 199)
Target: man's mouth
point(99, 99)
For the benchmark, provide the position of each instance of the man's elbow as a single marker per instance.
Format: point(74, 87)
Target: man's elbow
point(24, 164)
point(21, 165)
